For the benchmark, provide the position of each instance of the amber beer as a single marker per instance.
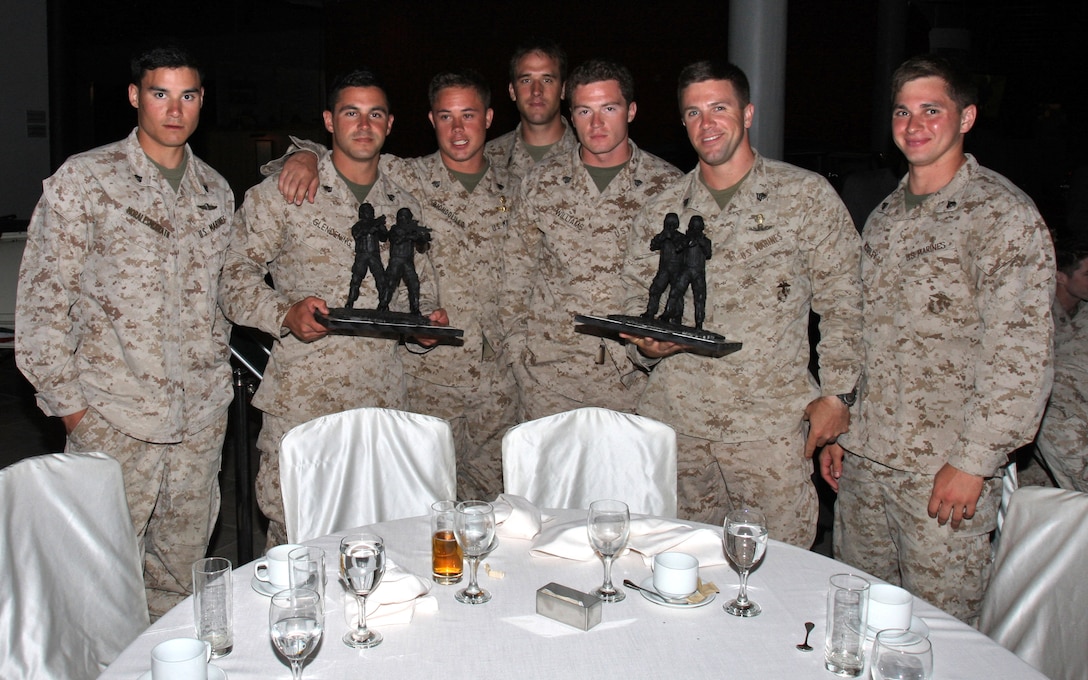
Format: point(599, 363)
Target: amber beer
point(447, 562)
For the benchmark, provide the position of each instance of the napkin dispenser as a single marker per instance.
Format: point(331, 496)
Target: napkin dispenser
point(569, 606)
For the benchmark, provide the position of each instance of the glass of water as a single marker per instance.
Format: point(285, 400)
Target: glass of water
point(901, 655)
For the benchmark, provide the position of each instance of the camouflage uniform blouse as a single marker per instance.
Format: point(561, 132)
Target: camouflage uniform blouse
point(510, 158)
point(785, 244)
point(309, 250)
point(567, 254)
point(117, 293)
point(465, 259)
point(958, 327)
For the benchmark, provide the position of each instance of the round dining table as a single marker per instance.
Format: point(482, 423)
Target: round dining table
point(506, 638)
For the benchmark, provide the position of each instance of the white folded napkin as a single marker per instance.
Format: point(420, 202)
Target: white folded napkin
point(649, 536)
point(398, 597)
point(516, 517)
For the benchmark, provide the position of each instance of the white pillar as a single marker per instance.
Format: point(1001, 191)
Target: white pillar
point(757, 44)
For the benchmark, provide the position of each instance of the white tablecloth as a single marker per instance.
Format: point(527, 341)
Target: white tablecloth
point(505, 638)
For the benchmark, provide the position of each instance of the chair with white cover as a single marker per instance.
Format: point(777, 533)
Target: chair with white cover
point(1010, 482)
point(72, 591)
point(570, 459)
point(1036, 601)
point(363, 466)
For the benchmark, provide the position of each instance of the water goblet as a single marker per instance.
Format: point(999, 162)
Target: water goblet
point(475, 529)
point(362, 565)
point(745, 540)
point(901, 655)
point(296, 619)
point(608, 525)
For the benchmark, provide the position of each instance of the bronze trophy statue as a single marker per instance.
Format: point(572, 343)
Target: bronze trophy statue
point(406, 237)
point(681, 267)
point(368, 232)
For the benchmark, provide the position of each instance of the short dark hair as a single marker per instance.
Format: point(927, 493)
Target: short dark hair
point(961, 86)
point(549, 48)
point(708, 69)
point(1068, 256)
point(357, 78)
point(597, 70)
point(163, 56)
point(468, 78)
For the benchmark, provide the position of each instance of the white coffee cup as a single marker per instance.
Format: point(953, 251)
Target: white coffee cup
point(274, 567)
point(676, 574)
point(889, 607)
point(181, 659)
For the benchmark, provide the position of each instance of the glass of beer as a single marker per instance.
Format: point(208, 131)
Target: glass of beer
point(447, 562)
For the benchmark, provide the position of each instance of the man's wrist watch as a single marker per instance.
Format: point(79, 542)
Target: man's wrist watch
point(850, 398)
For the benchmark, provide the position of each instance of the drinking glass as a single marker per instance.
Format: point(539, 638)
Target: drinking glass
point(745, 539)
point(362, 565)
point(213, 602)
point(901, 655)
point(608, 525)
point(475, 530)
point(847, 616)
point(447, 562)
point(296, 619)
point(306, 569)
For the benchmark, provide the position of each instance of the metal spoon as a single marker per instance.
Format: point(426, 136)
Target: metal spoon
point(671, 600)
point(804, 646)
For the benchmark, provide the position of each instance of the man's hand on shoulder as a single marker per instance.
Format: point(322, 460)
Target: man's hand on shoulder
point(954, 496)
point(301, 322)
point(299, 177)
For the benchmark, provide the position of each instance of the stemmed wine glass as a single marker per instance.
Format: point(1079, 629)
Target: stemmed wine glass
point(296, 619)
point(362, 565)
point(745, 540)
point(608, 525)
point(474, 526)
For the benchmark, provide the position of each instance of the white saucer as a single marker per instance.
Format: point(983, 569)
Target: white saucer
point(214, 673)
point(917, 625)
point(264, 588)
point(659, 600)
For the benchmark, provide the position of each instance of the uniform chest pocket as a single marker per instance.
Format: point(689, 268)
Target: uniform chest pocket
point(936, 294)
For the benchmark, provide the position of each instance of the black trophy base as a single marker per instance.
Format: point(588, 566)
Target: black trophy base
point(383, 324)
point(702, 342)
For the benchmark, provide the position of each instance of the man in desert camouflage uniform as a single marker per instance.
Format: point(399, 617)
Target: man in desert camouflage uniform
point(1063, 436)
point(117, 324)
point(571, 229)
point(783, 244)
point(466, 205)
point(537, 72)
point(308, 249)
point(958, 277)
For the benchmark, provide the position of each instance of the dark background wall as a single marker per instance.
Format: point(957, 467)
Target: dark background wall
point(268, 62)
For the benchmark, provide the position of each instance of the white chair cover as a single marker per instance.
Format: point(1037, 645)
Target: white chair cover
point(1010, 482)
point(363, 466)
point(569, 460)
point(1036, 601)
point(71, 583)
